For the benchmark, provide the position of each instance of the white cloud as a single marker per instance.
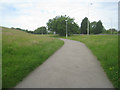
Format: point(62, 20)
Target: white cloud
point(32, 14)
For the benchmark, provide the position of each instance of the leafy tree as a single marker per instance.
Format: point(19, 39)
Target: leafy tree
point(18, 28)
point(119, 33)
point(58, 25)
point(41, 30)
point(104, 30)
point(84, 26)
point(12, 28)
point(93, 27)
point(29, 31)
point(111, 31)
point(99, 27)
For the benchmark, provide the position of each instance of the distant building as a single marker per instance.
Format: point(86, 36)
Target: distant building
point(119, 15)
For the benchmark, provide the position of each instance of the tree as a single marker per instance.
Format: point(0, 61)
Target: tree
point(111, 31)
point(93, 27)
point(29, 31)
point(84, 26)
point(58, 25)
point(41, 30)
point(99, 27)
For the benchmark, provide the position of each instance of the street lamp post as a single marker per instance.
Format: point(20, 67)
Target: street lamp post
point(87, 27)
point(111, 26)
point(66, 28)
point(88, 19)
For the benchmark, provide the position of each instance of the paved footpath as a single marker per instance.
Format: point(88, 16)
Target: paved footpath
point(72, 66)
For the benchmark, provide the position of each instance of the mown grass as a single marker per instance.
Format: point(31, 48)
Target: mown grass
point(105, 48)
point(22, 53)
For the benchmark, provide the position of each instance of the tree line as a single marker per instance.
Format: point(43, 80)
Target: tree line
point(25, 30)
point(94, 27)
point(59, 23)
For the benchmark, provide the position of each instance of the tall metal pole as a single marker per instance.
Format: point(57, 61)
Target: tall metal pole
point(66, 28)
point(88, 30)
point(111, 25)
point(88, 27)
point(88, 21)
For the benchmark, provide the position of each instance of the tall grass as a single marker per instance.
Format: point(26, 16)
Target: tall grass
point(22, 53)
point(105, 48)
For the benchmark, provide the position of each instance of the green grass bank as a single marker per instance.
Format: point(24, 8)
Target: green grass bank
point(105, 48)
point(22, 53)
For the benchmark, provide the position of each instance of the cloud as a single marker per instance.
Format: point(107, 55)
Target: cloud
point(31, 14)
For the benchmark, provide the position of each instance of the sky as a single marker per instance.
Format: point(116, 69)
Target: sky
point(31, 14)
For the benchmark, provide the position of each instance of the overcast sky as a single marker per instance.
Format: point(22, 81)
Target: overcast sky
point(31, 14)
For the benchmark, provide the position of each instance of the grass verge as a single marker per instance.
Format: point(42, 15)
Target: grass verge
point(105, 48)
point(22, 53)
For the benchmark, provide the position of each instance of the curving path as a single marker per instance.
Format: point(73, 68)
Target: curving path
point(72, 66)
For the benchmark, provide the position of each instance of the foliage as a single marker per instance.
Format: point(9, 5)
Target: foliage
point(99, 27)
point(111, 31)
point(29, 31)
point(93, 27)
point(22, 53)
point(84, 26)
point(41, 30)
point(22, 30)
point(119, 32)
point(58, 25)
point(96, 27)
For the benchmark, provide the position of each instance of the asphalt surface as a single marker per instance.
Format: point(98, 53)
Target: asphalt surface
point(72, 66)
